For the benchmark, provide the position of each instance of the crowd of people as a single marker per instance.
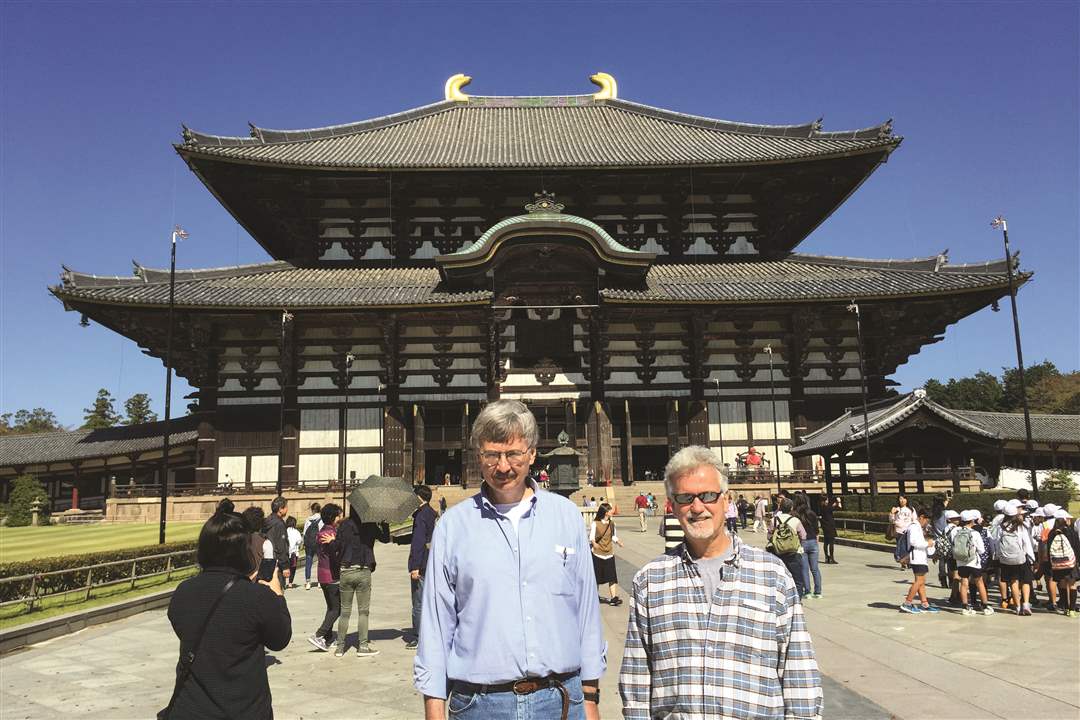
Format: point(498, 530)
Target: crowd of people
point(1023, 549)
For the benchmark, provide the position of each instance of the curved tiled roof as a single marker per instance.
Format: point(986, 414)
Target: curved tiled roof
point(70, 445)
point(1044, 428)
point(280, 284)
point(566, 132)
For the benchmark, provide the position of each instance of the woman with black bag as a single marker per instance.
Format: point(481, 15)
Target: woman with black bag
point(224, 620)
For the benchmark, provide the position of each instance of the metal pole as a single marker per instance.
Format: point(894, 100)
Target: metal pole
point(349, 357)
point(772, 396)
point(719, 420)
point(854, 307)
point(285, 318)
point(999, 221)
point(177, 233)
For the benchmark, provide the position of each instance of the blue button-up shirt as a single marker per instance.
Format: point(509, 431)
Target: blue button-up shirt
point(499, 605)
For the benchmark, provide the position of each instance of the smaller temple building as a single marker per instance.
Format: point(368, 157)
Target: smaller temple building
point(914, 440)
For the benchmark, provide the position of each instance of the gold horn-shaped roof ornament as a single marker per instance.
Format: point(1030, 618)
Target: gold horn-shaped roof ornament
point(609, 89)
point(454, 85)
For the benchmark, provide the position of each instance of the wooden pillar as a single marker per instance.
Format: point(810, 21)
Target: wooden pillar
point(628, 445)
point(955, 475)
point(419, 472)
point(290, 409)
point(600, 443)
point(828, 475)
point(1053, 456)
point(393, 442)
point(470, 466)
point(75, 488)
point(697, 423)
point(843, 474)
point(673, 434)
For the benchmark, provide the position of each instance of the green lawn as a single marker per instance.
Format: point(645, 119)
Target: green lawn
point(868, 537)
point(27, 543)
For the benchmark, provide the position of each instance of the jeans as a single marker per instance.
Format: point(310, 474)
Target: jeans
point(417, 603)
point(332, 597)
point(793, 562)
point(309, 560)
point(732, 525)
point(540, 705)
point(810, 565)
point(355, 582)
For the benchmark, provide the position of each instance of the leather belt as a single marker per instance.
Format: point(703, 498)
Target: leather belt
point(525, 686)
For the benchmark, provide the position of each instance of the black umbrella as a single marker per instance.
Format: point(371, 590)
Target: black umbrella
point(384, 499)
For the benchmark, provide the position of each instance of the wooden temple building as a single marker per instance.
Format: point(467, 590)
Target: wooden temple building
point(621, 268)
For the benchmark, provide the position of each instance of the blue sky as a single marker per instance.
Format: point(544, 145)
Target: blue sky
point(93, 94)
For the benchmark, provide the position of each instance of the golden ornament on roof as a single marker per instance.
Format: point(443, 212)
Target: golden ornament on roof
point(454, 85)
point(609, 89)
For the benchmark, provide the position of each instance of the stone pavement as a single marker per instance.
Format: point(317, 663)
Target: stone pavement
point(876, 662)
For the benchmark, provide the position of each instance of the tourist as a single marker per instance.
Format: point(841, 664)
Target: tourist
point(785, 541)
point(255, 521)
point(652, 504)
point(278, 536)
point(1062, 549)
point(761, 506)
point(423, 520)
point(920, 548)
point(602, 537)
point(675, 664)
point(1043, 523)
point(967, 548)
point(642, 504)
point(1015, 555)
point(944, 547)
point(940, 525)
point(670, 529)
point(809, 519)
point(828, 527)
point(731, 514)
point(224, 621)
point(901, 516)
point(442, 504)
point(295, 541)
point(511, 626)
point(328, 574)
point(355, 545)
point(744, 509)
point(987, 557)
point(312, 526)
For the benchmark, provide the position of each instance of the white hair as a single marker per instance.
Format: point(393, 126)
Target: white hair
point(503, 421)
point(689, 459)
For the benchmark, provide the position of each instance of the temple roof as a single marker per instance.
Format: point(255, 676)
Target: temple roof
point(281, 284)
point(577, 131)
point(69, 445)
point(849, 430)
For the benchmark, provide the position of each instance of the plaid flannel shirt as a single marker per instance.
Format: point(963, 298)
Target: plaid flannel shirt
point(744, 653)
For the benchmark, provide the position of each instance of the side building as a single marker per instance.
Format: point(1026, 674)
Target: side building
point(629, 272)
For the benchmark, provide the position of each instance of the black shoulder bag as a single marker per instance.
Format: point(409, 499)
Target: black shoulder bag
point(187, 660)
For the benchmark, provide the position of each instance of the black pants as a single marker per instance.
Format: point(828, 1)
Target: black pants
point(829, 542)
point(332, 595)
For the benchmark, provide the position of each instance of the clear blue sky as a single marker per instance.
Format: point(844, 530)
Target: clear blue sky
point(985, 94)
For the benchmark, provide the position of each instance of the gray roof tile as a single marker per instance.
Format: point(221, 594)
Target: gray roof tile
point(70, 445)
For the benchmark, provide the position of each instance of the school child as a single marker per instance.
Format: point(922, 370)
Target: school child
point(952, 520)
point(295, 541)
point(988, 557)
point(1015, 555)
point(921, 548)
point(1062, 549)
point(967, 546)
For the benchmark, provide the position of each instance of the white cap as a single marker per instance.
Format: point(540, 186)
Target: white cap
point(1039, 512)
point(999, 505)
point(1051, 508)
point(968, 515)
point(1014, 503)
point(1062, 515)
point(1032, 504)
point(978, 513)
point(1010, 511)
point(951, 514)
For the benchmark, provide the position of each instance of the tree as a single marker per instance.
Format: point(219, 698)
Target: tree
point(1060, 480)
point(24, 422)
point(101, 414)
point(137, 409)
point(1033, 375)
point(1056, 394)
point(982, 392)
point(24, 490)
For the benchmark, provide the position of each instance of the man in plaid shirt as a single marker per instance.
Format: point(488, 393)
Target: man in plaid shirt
point(716, 629)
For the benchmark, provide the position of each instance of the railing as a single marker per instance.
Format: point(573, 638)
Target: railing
point(38, 583)
point(766, 476)
point(190, 489)
point(862, 525)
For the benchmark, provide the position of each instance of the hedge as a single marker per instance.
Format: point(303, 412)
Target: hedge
point(982, 501)
point(76, 578)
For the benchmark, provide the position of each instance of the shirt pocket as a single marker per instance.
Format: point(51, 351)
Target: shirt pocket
point(747, 627)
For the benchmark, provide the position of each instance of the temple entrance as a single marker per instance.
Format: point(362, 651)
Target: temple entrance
point(439, 462)
point(649, 462)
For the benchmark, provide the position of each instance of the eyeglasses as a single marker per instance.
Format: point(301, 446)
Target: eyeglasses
point(709, 496)
point(513, 457)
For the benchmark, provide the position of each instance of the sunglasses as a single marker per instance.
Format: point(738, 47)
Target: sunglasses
point(709, 496)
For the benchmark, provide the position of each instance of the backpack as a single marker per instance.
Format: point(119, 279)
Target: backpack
point(989, 548)
point(963, 546)
point(943, 546)
point(903, 547)
point(311, 535)
point(1010, 549)
point(785, 540)
point(1062, 556)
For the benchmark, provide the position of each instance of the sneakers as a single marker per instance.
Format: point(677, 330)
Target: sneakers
point(615, 601)
point(366, 650)
point(968, 611)
point(816, 596)
point(1071, 613)
point(907, 608)
point(319, 643)
point(339, 651)
point(929, 609)
point(1026, 609)
point(307, 586)
point(412, 644)
point(988, 610)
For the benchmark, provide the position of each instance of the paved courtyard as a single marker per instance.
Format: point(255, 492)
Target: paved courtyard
point(876, 662)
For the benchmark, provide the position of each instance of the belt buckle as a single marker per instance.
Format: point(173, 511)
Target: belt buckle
point(525, 687)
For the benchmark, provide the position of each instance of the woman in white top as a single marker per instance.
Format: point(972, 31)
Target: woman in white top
point(921, 549)
point(901, 516)
point(602, 538)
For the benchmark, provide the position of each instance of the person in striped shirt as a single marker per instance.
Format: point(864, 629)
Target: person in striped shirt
point(716, 628)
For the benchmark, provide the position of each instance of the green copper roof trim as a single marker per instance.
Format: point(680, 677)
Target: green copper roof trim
point(552, 218)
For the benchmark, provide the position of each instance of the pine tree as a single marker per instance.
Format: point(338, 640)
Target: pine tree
point(101, 414)
point(137, 409)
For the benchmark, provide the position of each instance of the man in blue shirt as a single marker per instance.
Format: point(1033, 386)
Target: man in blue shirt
point(510, 625)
